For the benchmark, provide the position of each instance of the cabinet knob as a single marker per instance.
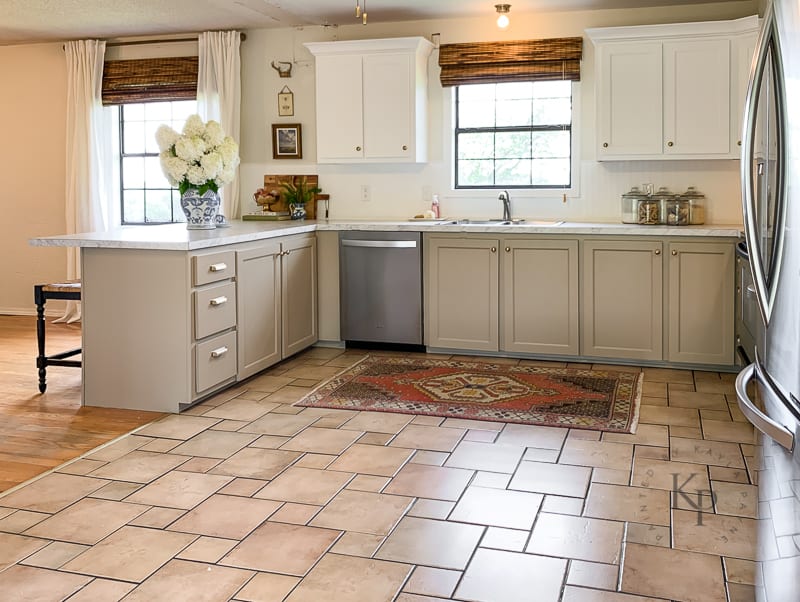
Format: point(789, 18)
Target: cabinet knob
point(657, 251)
point(358, 148)
point(739, 143)
point(508, 249)
point(670, 143)
point(217, 267)
point(222, 300)
point(494, 249)
point(674, 252)
point(405, 147)
point(605, 144)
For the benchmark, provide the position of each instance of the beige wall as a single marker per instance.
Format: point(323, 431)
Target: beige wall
point(399, 191)
point(33, 117)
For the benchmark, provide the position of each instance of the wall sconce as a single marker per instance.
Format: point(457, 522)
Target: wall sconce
point(502, 19)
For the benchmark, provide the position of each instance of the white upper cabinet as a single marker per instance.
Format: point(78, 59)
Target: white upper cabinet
point(670, 91)
point(372, 98)
point(697, 97)
point(629, 99)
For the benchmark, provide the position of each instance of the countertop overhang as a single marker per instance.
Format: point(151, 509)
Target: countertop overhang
point(175, 237)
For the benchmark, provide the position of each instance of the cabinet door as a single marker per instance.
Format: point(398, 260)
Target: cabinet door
point(701, 299)
point(258, 304)
point(622, 302)
point(339, 108)
point(388, 106)
point(539, 296)
point(744, 48)
point(697, 97)
point(462, 294)
point(629, 99)
point(299, 294)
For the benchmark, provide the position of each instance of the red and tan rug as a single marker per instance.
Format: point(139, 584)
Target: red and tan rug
point(589, 399)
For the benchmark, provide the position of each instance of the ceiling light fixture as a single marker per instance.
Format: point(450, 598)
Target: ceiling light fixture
point(502, 19)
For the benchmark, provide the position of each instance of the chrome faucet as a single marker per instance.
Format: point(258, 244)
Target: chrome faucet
point(506, 200)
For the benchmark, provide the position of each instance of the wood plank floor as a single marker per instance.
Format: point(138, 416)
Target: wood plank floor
point(39, 432)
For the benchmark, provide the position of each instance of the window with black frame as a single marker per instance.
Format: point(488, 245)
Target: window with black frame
point(146, 196)
point(148, 93)
point(513, 135)
point(513, 111)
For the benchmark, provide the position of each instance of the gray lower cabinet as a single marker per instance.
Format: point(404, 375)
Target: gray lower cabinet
point(259, 307)
point(539, 296)
point(277, 301)
point(502, 294)
point(701, 303)
point(637, 299)
point(461, 293)
point(621, 307)
point(165, 328)
point(656, 300)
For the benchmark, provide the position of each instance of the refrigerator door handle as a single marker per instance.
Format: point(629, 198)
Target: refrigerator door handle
point(779, 433)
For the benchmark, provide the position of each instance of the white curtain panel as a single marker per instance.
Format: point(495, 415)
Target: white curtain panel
point(86, 205)
point(219, 94)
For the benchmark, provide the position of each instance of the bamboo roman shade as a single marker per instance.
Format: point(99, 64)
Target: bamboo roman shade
point(150, 80)
point(513, 61)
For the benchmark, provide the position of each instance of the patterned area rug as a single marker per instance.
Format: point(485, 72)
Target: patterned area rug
point(588, 399)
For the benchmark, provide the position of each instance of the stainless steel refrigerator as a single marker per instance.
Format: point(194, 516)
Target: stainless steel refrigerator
point(768, 390)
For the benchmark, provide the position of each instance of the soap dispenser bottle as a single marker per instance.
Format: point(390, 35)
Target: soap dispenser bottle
point(435, 207)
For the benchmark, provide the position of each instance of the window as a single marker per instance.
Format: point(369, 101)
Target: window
point(513, 135)
point(146, 196)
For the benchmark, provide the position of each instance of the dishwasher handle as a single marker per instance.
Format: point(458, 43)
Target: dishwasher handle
point(381, 244)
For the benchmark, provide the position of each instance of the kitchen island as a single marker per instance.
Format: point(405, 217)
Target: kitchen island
point(172, 316)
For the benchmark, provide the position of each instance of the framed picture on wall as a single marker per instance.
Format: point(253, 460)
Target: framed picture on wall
point(285, 102)
point(287, 141)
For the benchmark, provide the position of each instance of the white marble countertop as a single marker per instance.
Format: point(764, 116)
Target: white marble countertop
point(175, 237)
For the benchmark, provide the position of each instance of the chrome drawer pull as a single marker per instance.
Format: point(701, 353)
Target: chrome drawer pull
point(219, 352)
point(217, 267)
point(218, 301)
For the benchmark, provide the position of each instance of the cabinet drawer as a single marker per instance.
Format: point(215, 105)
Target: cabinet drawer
point(213, 267)
point(215, 361)
point(214, 309)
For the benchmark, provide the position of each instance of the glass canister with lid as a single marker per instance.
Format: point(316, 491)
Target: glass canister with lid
point(662, 196)
point(630, 202)
point(696, 202)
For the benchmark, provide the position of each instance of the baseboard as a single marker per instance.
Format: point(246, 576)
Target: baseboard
point(333, 344)
point(25, 311)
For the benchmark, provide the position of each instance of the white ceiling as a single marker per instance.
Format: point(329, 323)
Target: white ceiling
point(23, 21)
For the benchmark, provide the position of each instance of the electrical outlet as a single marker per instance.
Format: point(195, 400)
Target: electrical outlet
point(365, 193)
point(427, 194)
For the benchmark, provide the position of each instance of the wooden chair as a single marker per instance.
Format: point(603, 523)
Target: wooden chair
point(69, 290)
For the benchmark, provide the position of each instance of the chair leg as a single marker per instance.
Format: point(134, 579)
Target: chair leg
point(41, 359)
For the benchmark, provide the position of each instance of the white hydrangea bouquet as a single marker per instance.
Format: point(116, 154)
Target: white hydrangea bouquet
point(201, 157)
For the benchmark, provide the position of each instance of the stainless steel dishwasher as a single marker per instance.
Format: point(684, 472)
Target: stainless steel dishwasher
point(380, 284)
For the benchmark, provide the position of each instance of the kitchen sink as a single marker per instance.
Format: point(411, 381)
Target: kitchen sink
point(489, 222)
point(506, 222)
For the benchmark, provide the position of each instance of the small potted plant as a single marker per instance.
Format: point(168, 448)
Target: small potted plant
point(297, 194)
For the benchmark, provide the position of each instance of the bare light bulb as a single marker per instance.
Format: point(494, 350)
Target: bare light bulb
point(502, 19)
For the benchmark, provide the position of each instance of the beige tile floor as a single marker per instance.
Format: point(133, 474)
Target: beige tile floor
point(249, 498)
